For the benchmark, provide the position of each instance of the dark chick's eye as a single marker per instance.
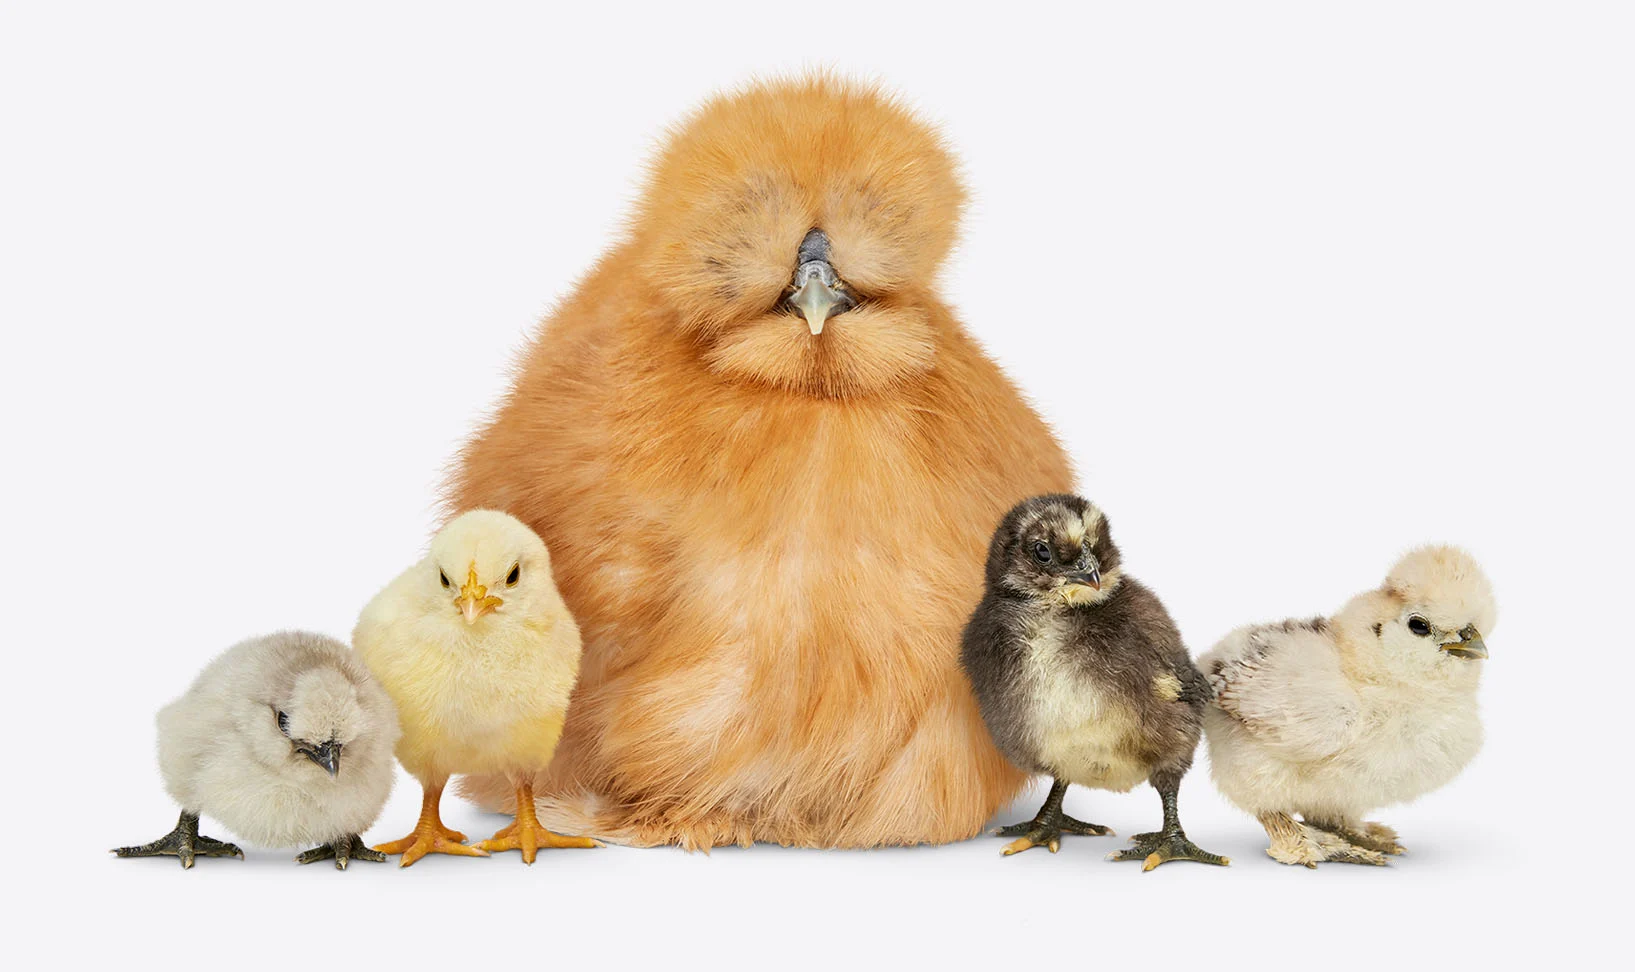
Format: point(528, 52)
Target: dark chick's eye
point(283, 723)
point(1419, 626)
point(515, 575)
point(443, 577)
point(1041, 552)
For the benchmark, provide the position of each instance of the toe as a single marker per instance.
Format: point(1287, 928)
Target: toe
point(1017, 846)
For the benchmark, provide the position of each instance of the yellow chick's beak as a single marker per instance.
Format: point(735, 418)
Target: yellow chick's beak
point(815, 300)
point(1469, 645)
point(474, 600)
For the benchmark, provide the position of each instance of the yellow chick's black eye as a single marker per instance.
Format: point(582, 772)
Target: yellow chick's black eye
point(515, 575)
point(1419, 626)
point(1041, 551)
point(443, 577)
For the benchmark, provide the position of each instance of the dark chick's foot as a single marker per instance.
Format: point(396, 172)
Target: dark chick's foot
point(1046, 830)
point(1072, 826)
point(1031, 834)
point(350, 848)
point(184, 843)
point(1156, 848)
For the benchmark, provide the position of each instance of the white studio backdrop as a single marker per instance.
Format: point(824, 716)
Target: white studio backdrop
point(262, 269)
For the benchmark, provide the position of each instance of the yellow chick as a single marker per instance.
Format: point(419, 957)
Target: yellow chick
point(479, 653)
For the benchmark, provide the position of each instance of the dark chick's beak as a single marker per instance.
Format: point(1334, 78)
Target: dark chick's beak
point(1469, 645)
point(1090, 578)
point(817, 291)
point(327, 755)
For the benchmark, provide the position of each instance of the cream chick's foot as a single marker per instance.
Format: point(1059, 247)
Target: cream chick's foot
point(1295, 843)
point(1369, 836)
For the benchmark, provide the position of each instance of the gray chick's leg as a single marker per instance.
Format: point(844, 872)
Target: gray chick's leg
point(1171, 843)
point(184, 843)
point(344, 850)
point(1048, 825)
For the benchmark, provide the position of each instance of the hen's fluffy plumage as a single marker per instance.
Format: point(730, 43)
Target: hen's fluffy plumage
point(222, 753)
point(1331, 718)
point(770, 538)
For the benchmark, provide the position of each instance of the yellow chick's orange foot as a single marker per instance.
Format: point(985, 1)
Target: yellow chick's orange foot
point(429, 835)
point(527, 835)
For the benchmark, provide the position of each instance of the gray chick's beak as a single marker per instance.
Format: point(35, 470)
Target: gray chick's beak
point(327, 755)
point(1469, 645)
point(1090, 578)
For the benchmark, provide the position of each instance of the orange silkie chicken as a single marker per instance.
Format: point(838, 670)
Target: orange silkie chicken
point(767, 459)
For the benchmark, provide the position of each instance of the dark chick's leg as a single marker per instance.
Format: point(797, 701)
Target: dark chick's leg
point(1048, 825)
point(1171, 843)
point(348, 848)
point(184, 843)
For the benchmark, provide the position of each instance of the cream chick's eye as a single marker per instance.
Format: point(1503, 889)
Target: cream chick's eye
point(443, 577)
point(515, 575)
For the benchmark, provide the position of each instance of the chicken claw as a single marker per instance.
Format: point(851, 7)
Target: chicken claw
point(346, 849)
point(1309, 845)
point(1376, 837)
point(1046, 829)
point(1159, 847)
point(527, 835)
point(184, 843)
point(430, 836)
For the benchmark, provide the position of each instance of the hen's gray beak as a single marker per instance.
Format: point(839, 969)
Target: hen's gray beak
point(816, 299)
point(817, 291)
point(1469, 645)
point(327, 755)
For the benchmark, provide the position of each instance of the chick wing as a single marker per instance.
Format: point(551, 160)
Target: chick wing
point(1284, 684)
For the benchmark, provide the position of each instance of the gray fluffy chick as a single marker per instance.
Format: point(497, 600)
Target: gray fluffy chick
point(287, 740)
point(1081, 674)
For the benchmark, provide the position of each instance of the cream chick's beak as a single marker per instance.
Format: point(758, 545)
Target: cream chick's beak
point(474, 601)
point(1469, 645)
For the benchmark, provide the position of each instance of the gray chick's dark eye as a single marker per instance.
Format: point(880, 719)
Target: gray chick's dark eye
point(283, 723)
point(443, 577)
point(515, 575)
point(1419, 626)
point(1041, 552)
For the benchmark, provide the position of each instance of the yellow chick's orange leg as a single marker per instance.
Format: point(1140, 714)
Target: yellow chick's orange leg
point(526, 834)
point(430, 836)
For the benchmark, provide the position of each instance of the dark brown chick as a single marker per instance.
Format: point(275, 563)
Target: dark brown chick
point(1081, 674)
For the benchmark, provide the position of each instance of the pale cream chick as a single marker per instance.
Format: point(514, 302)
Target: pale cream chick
point(480, 655)
point(1333, 718)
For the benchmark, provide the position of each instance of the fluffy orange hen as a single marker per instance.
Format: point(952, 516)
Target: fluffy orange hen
point(770, 526)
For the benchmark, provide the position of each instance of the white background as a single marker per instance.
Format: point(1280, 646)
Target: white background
point(1299, 288)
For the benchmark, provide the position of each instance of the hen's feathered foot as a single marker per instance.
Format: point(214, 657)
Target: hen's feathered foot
point(346, 849)
point(1372, 836)
point(429, 835)
point(526, 834)
point(1169, 844)
point(1047, 827)
point(185, 843)
point(1306, 844)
